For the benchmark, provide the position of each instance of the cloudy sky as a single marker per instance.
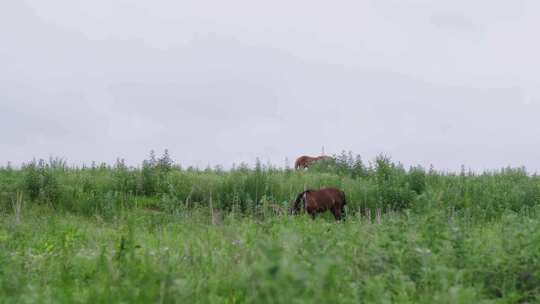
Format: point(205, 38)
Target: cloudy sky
point(219, 82)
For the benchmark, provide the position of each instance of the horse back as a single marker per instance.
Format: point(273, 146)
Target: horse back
point(330, 196)
point(334, 194)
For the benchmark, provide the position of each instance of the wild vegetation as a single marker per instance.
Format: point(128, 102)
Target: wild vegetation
point(167, 234)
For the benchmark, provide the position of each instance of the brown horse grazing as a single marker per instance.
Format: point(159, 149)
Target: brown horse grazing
point(319, 201)
point(306, 161)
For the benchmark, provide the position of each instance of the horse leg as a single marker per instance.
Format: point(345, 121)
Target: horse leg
point(337, 213)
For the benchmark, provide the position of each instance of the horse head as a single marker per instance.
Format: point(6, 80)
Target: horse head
point(295, 205)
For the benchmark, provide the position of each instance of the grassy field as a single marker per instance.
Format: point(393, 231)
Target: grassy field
point(164, 234)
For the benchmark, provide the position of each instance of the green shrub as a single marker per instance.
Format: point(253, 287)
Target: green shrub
point(40, 182)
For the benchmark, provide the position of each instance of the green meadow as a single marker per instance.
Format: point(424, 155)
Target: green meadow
point(162, 233)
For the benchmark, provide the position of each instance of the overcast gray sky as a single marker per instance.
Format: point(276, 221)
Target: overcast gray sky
point(427, 82)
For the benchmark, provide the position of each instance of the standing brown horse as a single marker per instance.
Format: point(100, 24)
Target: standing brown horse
point(306, 161)
point(319, 201)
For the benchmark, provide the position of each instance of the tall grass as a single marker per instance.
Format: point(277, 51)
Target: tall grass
point(160, 184)
point(142, 257)
point(161, 233)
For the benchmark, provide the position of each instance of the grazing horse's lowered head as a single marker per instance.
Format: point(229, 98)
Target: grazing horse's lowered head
point(306, 161)
point(319, 201)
